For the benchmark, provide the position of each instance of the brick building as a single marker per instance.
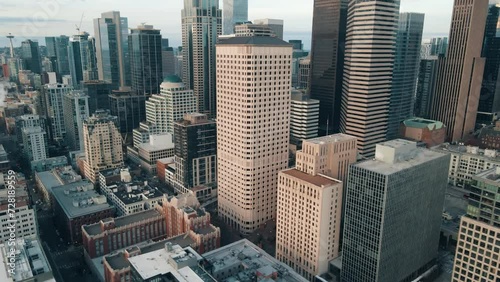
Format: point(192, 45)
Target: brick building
point(430, 132)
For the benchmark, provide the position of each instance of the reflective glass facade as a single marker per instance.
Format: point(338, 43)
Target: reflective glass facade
point(234, 11)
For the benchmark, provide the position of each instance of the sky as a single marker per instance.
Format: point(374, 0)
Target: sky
point(35, 19)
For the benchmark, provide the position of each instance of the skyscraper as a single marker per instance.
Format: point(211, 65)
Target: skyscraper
point(62, 57)
point(252, 131)
point(304, 117)
point(35, 146)
point(426, 84)
point(489, 101)
point(406, 67)
point(82, 59)
point(327, 60)
point(111, 42)
point(129, 107)
point(276, 25)
point(478, 247)
point(369, 62)
point(54, 94)
point(98, 92)
point(460, 74)
point(103, 144)
point(234, 11)
point(145, 59)
point(439, 45)
point(30, 53)
point(393, 213)
point(201, 24)
point(76, 110)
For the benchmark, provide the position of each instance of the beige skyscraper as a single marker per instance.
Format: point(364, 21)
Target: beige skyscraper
point(310, 204)
point(103, 144)
point(460, 74)
point(369, 64)
point(253, 127)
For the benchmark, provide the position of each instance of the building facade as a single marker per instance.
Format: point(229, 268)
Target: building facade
point(76, 110)
point(145, 59)
point(460, 74)
point(35, 145)
point(233, 11)
point(30, 53)
point(275, 25)
point(406, 67)
point(54, 97)
point(82, 58)
point(369, 61)
point(98, 92)
point(129, 107)
point(201, 24)
point(304, 117)
point(376, 235)
point(430, 132)
point(426, 84)
point(249, 157)
point(327, 59)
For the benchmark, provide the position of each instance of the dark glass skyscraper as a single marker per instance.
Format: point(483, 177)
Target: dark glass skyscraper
point(489, 100)
point(145, 59)
point(234, 11)
point(62, 57)
point(129, 107)
point(30, 53)
point(406, 66)
point(327, 60)
point(426, 83)
point(201, 24)
point(82, 59)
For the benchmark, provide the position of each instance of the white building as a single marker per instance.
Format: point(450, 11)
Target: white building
point(146, 154)
point(35, 144)
point(54, 94)
point(253, 127)
point(467, 161)
point(76, 110)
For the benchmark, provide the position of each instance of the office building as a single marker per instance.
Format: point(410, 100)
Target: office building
point(14, 65)
point(98, 92)
point(50, 44)
point(327, 61)
point(406, 67)
point(168, 61)
point(4, 160)
point(489, 100)
point(489, 137)
point(429, 132)
point(369, 61)
point(304, 117)
point(439, 46)
point(250, 29)
point(460, 74)
point(201, 24)
point(77, 204)
point(82, 58)
point(35, 145)
point(478, 248)
point(129, 107)
point(58, 176)
point(62, 55)
point(54, 94)
point(250, 157)
point(274, 24)
point(405, 186)
point(148, 153)
point(144, 45)
point(103, 144)
point(249, 262)
point(195, 151)
point(233, 12)
point(467, 161)
point(112, 49)
point(48, 164)
point(76, 110)
point(163, 109)
point(31, 263)
point(304, 74)
point(30, 53)
point(426, 84)
point(308, 220)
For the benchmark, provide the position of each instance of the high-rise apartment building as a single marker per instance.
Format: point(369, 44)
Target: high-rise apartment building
point(54, 94)
point(195, 151)
point(460, 74)
point(392, 200)
point(82, 58)
point(304, 117)
point(478, 247)
point(28, 121)
point(274, 24)
point(76, 110)
point(426, 84)
point(368, 70)
point(327, 60)
point(233, 11)
point(103, 144)
point(35, 146)
point(30, 53)
point(111, 42)
point(201, 24)
point(406, 67)
point(308, 221)
point(253, 127)
point(489, 100)
point(144, 45)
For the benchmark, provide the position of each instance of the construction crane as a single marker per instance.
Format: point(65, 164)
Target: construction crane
point(80, 25)
point(10, 37)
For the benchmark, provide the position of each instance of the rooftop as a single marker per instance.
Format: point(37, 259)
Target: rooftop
point(331, 139)
point(157, 143)
point(469, 150)
point(95, 229)
point(79, 199)
point(255, 40)
point(423, 123)
point(172, 79)
point(317, 180)
point(247, 258)
point(130, 193)
point(490, 175)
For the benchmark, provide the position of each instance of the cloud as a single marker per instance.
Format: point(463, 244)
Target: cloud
point(26, 19)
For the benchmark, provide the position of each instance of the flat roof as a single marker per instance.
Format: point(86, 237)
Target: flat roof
point(255, 40)
point(317, 180)
point(79, 199)
point(490, 175)
point(468, 150)
point(331, 139)
point(48, 179)
point(139, 194)
point(95, 229)
point(423, 123)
